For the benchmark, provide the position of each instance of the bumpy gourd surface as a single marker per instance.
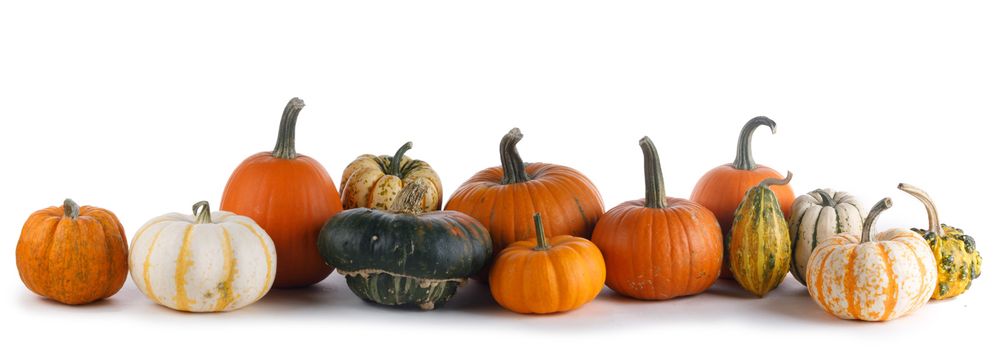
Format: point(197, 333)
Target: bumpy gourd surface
point(958, 260)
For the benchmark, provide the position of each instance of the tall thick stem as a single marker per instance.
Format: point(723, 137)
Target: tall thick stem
point(825, 199)
point(285, 147)
point(202, 213)
point(768, 182)
point(744, 154)
point(655, 194)
point(541, 242)
point(933, 223)
point(397, 159)
point(410, 199)
point(510, 159)
point(877, 209)
point(71, 209)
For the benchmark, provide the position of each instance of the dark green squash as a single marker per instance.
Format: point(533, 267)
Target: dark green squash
point(403, 256)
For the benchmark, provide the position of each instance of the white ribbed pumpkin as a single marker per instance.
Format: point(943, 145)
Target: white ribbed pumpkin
point(819, 215)
point(203, 262)
point(874, 278)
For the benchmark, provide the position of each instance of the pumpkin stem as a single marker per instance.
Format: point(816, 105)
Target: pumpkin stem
point(510, 159)
point(744, 157)
point(932, 215)
point(398, 158)
point(542, 243)
point(71, 209)
point(768, 182)
point(285, 147)
point(825, 198)
point(655, 196)
point(866, 229)
point(409, 200)
point(202, 213)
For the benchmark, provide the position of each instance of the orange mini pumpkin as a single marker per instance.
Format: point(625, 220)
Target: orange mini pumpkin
point(504, 198)
point(659, 247)
point(722, 189)
point(289, 195)
point(72, 254)
point(543, 276)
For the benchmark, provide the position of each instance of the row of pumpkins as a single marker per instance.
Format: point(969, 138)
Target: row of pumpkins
point(524, 227)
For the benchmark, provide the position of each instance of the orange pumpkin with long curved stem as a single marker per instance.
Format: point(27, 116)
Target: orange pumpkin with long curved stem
point(289, 195)
point(504, 198)
point(722, 189)
point(659, 247)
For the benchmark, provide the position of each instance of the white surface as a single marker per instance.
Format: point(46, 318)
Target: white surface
point(146, 109)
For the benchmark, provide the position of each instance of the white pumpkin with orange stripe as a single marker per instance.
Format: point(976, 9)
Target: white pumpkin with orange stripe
point(203, 262)
point(872, 278)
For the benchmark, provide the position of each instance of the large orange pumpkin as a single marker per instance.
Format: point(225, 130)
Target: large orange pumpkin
point(504, 198)
point(72, 254)
point(659, 247)
point(289, 195)
point(722, 189)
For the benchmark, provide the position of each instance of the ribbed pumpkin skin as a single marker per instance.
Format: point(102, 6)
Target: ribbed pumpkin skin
point(569, 274)
point(813, 222)
point(659, 254)
point(566, 199)
point(759, 248)
point(368, 182)
point(881, 280)
point(722, 189)
point(73, 261)
point(959, 261)
point(405, 259)
point(222, 265)
point(290, 199)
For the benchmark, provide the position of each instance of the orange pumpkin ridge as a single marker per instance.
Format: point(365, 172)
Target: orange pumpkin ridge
point(290, 196)
point(659, 247)
point(72, 254)
point(505, 197)
point(545, 275)
point(722, 188)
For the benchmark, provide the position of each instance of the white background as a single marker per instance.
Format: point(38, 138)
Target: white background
point(146, 109)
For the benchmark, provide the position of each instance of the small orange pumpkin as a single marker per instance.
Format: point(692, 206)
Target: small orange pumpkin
point(503, 198)
point(290, 196)
point(722, 189)
point(73, 255)
point(659, 247)
point(543, 276)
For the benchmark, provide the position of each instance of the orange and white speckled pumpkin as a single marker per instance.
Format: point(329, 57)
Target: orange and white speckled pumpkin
point(875, 278)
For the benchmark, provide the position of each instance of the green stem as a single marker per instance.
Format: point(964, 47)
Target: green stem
point(655, 194)
point(202, 213)
point(934, 225)
point(285, 147)
point(866, 229)
point(825, 198)
point(744, 156)
point(397, 159)
point(768, 182)
point(510, 159)
point(410, 199)
point(541, 242)
point(71, 209)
